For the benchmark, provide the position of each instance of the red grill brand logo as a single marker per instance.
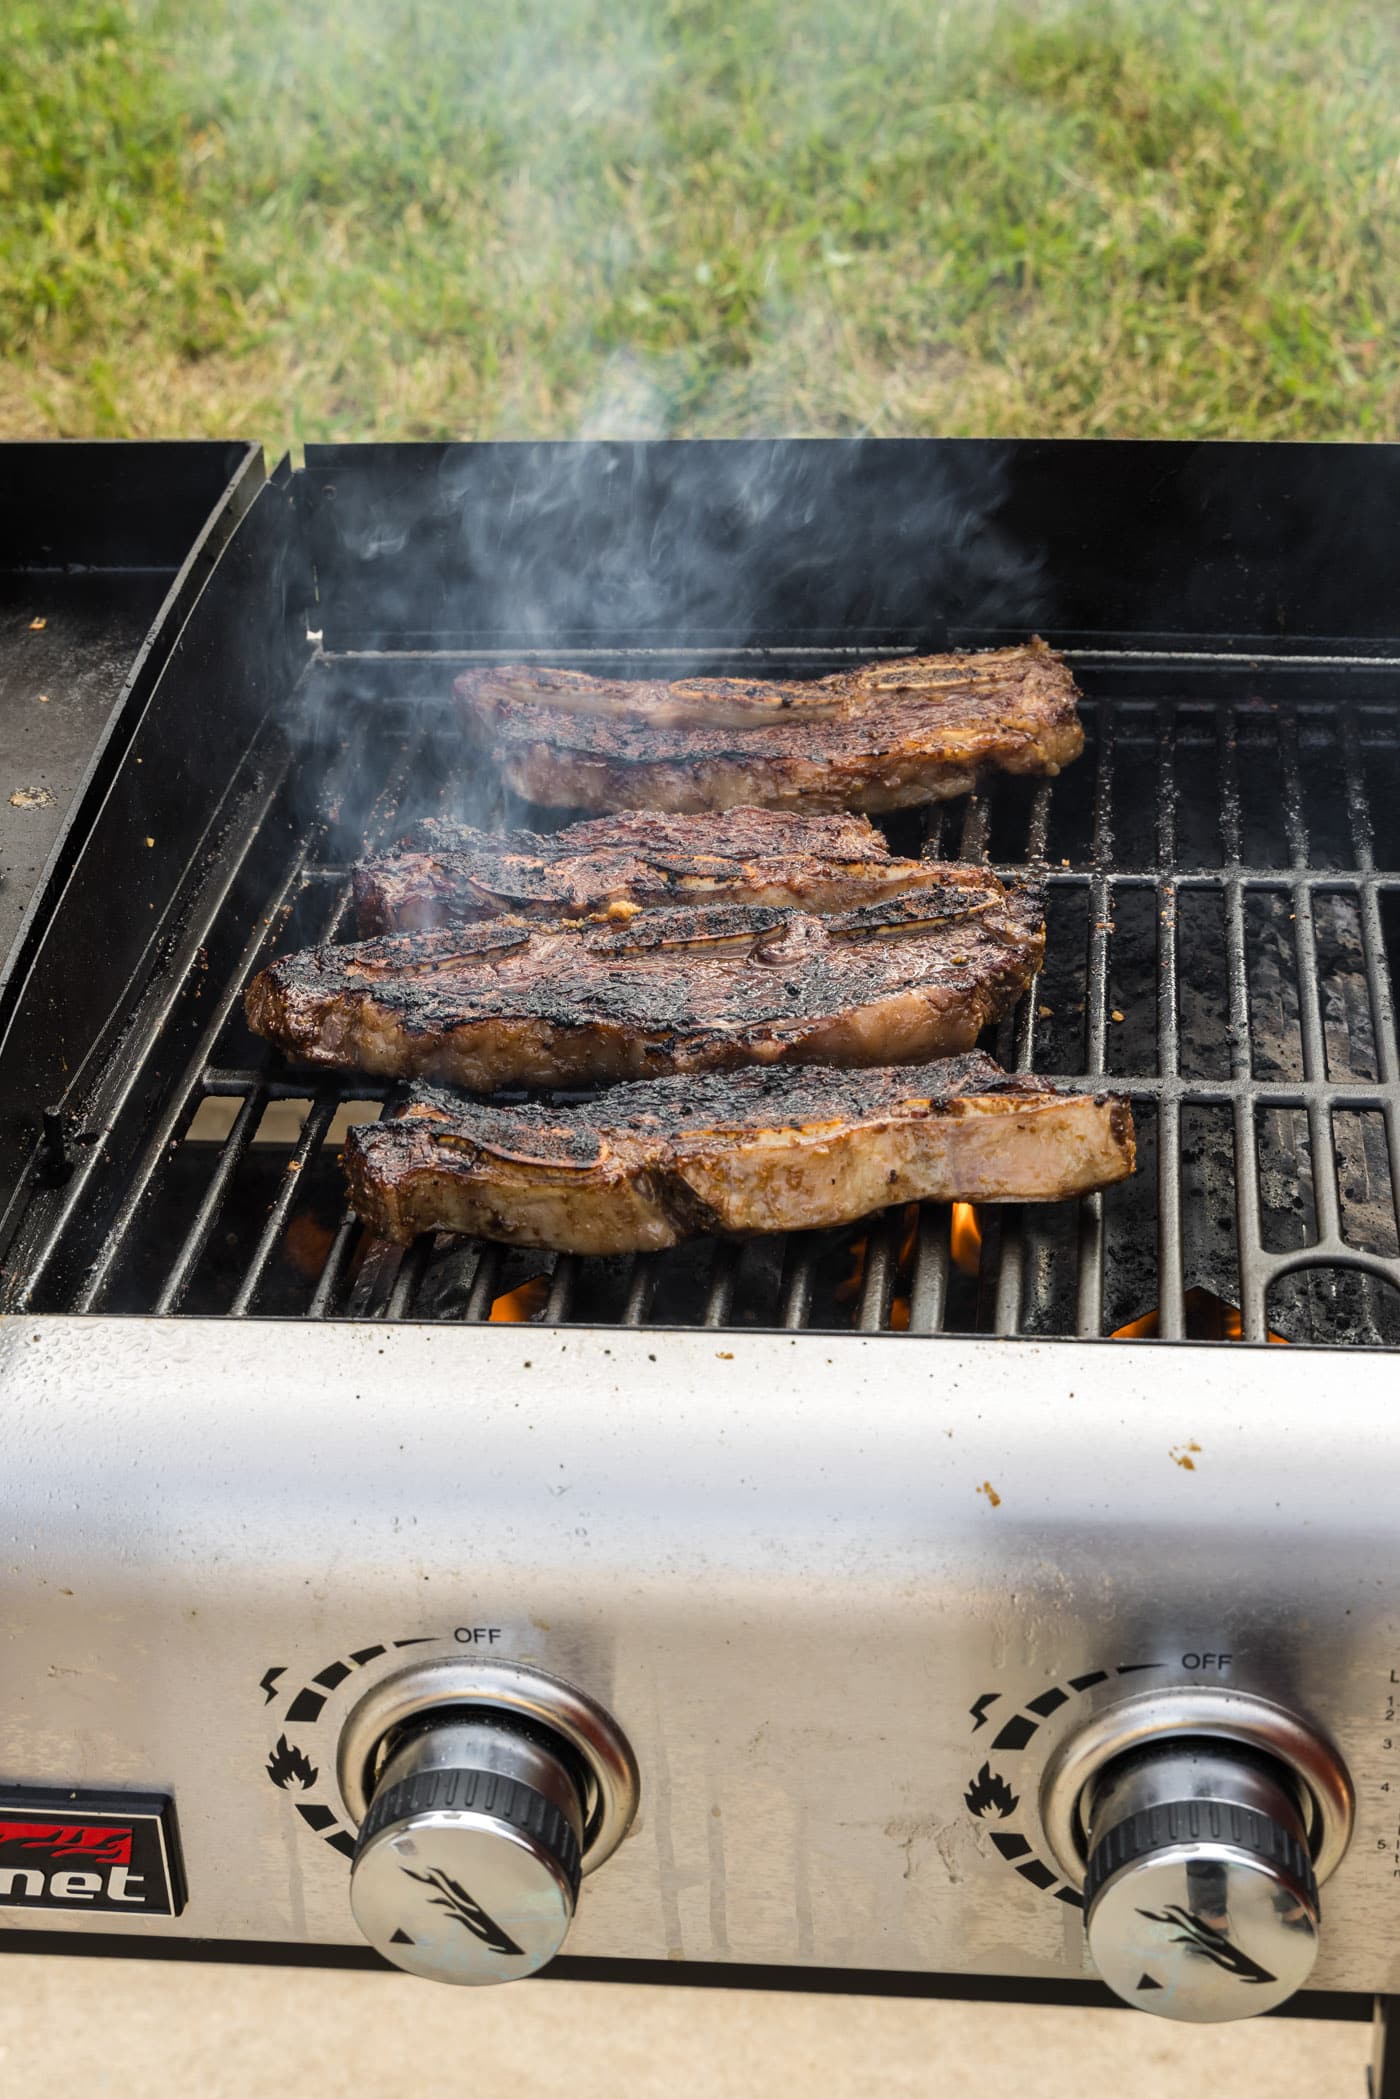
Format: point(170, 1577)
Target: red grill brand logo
point(73, 1851)
point(102, 1845)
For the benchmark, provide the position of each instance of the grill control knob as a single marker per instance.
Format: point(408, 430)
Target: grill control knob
point(1200, 1899)
point(467, 1864)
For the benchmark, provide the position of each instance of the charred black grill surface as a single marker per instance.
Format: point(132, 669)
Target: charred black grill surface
point(452, 874)
point(646, 1166)
point(516, 1002)
point(1223, 920)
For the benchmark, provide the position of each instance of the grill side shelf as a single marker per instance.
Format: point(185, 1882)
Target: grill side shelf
point(103, 551)
point(150, 833)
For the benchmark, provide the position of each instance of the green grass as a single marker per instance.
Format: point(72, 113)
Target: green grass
point(555, 217)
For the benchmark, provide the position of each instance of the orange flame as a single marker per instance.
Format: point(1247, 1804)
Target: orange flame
point(853, 1281)
point(1138, 1329)
point(523, 1302)
point(965, 1238)
point(966, 1249)
point(1208, 1318)
point(306, 1242)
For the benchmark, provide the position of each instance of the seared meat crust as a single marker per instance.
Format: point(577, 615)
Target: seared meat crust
point(645, 1166)
point(449, 874)
point(887, 735)
point(515, 1002)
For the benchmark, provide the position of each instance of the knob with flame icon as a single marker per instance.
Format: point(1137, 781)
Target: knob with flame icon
point(989, 1793)
point(1200, 1898)
point(288, 1765)
point(467, 1865)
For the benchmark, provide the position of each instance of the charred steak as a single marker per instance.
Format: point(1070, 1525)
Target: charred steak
point(448, 874)
point(515, 1002)
point(884, 736)
point(645, 1166)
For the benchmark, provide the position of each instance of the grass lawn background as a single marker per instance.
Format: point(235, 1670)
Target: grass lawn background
point(407, 218)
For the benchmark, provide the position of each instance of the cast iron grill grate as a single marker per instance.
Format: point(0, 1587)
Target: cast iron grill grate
point(1224, 907)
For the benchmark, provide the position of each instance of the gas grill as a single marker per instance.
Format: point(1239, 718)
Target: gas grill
point(852, 1574)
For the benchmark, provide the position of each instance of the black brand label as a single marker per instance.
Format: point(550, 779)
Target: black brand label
point(115, 1852)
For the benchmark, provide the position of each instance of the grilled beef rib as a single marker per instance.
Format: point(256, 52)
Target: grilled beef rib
point(645, 1166)
point(515, 1002)
point(887, 735)
point(448, 874)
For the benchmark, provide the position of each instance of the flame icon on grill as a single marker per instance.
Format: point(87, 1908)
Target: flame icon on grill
point(989, 1791)
point(1201, 1937)
point(287, 1763)
point(458, 1903)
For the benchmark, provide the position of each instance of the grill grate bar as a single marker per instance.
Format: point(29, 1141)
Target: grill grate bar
point(454, 1272)
point(231, 1157)
point(1325, 1194)
point(1009, 1273)
point(261, 940)
point(1363, 832)
point(372, 1279)
point(724, 1276)
point(1209, 880)
point(485, 1283)
point(976, 830)
point(314, 1129)
point(313, 1132)
point(225, 1080)
point(1321, 1144)
point(181, 1105)
point(561, 1290)
point(1249, 1249)
point(935, 828)
point(1378, 984)
point(1038, 823)
point(1090, 1296)
point(198, 1238)
point(877, 1282)
point(1017, 1050)
point(1346, 1093)
point(1379, 989)
point(928, 1296)
point(330, 1282)
point(799, 1277)
point(1171, 1282)
point(412, 1269)
point(641, 1286)
point(1295, 818)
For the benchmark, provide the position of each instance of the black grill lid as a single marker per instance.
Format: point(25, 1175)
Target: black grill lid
point(880, 542)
